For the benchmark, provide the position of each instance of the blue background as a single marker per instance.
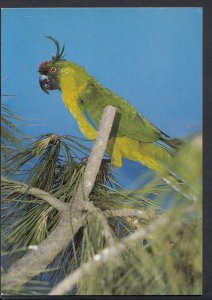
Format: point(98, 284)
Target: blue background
point(150, 56)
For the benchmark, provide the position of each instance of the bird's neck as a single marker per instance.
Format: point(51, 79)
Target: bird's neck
point(72, 84)
point(73, 81)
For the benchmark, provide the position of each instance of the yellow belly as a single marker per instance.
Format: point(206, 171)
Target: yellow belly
point(148, 154)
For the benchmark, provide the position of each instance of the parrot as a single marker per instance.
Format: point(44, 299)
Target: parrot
point(132, 136)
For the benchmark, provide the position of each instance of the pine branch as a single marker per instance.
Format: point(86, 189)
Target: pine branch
point(35, 261)
point(105, 256)
point(125, 212)
point(24, 188)
point(106, 230)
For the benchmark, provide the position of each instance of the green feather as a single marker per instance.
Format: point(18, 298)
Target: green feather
point(128, 121)
point(59, 54)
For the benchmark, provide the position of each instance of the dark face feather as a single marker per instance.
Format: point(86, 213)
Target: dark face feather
point(49, 69)
point(48, 76)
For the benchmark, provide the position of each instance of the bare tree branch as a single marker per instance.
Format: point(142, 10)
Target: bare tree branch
point(110, 254)
point(95, 158)
point(35, 261)
point(125, 212)
point(106, 255)
point(24, 188)
point(60, 206)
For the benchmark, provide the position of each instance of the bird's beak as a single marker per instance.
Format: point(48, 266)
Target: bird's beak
point(43, 80)
point(48, 83)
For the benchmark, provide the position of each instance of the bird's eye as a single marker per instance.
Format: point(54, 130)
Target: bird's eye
point(53, 69)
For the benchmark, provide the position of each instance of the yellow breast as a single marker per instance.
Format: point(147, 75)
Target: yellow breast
point(70, 94)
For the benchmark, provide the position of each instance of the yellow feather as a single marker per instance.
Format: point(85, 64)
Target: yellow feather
point(70, 94)
point(148, 154)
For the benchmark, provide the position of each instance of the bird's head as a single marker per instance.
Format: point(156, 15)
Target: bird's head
point(49, 70)
point(55, 72)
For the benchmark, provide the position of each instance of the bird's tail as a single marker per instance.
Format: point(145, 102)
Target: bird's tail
point(175, 143)
point(172, 146)
point(159, 157)
point(180, 186)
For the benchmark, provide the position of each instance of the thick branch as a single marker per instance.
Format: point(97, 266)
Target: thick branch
point(107, 255)
point(35, 261)
point(95, 158)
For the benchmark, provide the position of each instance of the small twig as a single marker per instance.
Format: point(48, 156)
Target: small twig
point(106, 255)
point(121, 212)
point(24, 188)
point(125, 212)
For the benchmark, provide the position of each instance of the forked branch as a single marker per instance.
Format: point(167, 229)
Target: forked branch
point(35, 261)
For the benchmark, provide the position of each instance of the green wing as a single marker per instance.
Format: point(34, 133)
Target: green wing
point(128, 122)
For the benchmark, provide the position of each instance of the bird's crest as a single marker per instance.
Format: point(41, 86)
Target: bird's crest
point(57, 57)
point(59, 54)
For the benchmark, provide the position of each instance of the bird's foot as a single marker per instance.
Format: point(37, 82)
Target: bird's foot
point(104, 169)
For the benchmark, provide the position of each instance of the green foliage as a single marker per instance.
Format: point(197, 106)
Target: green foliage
point(168, 261)
point(10, 135)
